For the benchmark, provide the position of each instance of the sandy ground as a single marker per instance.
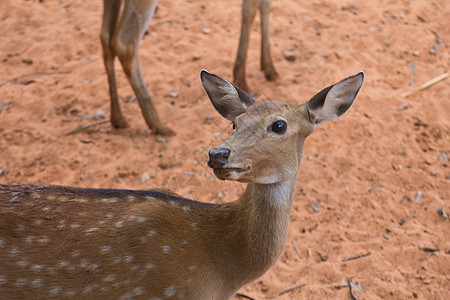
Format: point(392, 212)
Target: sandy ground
point(380, 174)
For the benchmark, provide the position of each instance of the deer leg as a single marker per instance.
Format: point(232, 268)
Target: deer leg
point(111, 9)
point(266, 61)
point(135, 18)
point(249, 8)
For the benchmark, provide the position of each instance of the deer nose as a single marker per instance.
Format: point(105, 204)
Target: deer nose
point(218, 158)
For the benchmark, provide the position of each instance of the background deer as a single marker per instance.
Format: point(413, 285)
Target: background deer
point(90, 243)
point(121, 36)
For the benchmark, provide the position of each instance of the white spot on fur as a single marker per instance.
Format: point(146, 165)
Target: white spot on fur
point(84, 263)
point(14, 251)
point(150, 198)
point(2, 242)
point(23, 263)
point(120, 223)
point(110, 278)
point(37, 282)
point(73, 226)
point(3, 279)
point(144, 239)
point(92, 230)
point(194, 226)
point(151, 233)
point(63, 264)
point(192, 268)
point(76, 253)
point(175, 204)
point(30, 239)
point(37, 268)
point(90, 288)
point(46, 209)
point(131, 198)
point(184, 242)
point(132, 218)
point(109, 216)
point(21, 282)
point(128, 258)
point(39, 222)
point(43, 240)
point(105, 249)
point(62, 224)
point(71, 293)
point(141, 219)
point(56, 290)
point(165, 248)
point(20, 227)
point(170, 291)
point(186, 208)
point(149, 266)
point(109, 200)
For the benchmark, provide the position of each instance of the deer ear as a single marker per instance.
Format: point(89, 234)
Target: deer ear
point(229, 100)
point(333, 101)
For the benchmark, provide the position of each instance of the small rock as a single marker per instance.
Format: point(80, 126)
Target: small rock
point(418, 197)
point(130, 99)
point(2, 104)
point(316, 205)
point(174, 94)
point(161, 140)
point(208, 120)
point(323, 257)
point(27, 82)
point(289, 54)
point(442, 213)
point(416, 53)
point(442, 156)
point(145, 177)
point(27, 61)
point(100, 114)
point(206, 30)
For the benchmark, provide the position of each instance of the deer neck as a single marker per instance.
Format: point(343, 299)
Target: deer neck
point(261, 227)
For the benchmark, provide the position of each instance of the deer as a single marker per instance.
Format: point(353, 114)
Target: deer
point(86, 243)
point(121, 35)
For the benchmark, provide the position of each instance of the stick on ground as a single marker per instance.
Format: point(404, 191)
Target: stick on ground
point(356, 257)
point(287, 291)
point(82, 127)
point(33, 74)
point(426, 84)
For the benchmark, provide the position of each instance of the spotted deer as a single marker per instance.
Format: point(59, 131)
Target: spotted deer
point(121, 35)
point(66, 242)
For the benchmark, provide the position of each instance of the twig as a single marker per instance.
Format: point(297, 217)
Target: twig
point(239, 295)
point(431, 250)
point(287, 291)
point(82, 127)
point(351, 289)
point(356, 257)
point(33, 74)
point(426, 84)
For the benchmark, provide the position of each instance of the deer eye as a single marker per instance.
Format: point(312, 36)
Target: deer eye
point(279, 126)
point(234, 125)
